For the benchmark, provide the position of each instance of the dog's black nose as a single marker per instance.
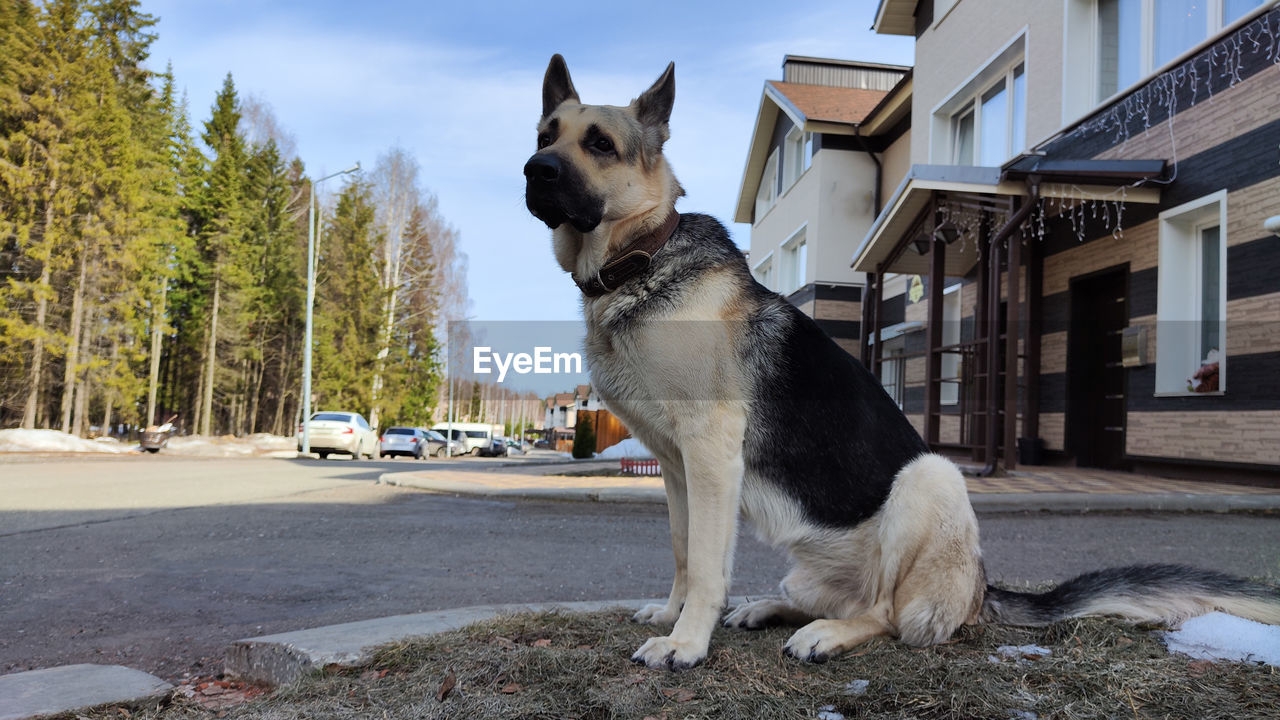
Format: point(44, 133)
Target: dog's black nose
point(542, 167)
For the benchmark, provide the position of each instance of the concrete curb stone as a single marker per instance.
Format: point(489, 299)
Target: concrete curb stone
point(70, 687)
point(283, 658)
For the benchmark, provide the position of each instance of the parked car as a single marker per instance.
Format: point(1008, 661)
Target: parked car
point(407, 441)
point(340, 432)
point(476, 435)
point(497, 447)
point(436, 445)
point(514, 447)
point(543, 445)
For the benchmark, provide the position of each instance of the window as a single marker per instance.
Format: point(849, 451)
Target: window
point(767, 195)
point(893, 369)
point(795, 259)
point(764, 272)
point(1191, 306)
point(797, 156)
point(1137, 37)
point(992, 127)
point(950, 393)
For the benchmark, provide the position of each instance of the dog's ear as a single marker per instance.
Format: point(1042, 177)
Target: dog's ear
point(557, 86)
point(653, 107)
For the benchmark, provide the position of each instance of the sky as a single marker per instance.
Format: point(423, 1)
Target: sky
point(458, 85)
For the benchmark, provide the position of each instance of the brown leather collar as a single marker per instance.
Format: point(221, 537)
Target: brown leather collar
point(630, 261)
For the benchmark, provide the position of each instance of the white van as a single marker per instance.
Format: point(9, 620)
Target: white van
point(474, 435)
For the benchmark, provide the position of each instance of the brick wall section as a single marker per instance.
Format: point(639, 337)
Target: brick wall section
point(1053, 353)
point(1208, 123)
point(1053, 430)
point(1249, 207)
point(836, 310)
point(1224, 436)
point(1253, 326)
point(918, 311)
point(917, 422)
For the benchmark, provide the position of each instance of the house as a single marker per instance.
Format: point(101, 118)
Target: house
point(824, 137)
point(561, 416)
point(1078, 261)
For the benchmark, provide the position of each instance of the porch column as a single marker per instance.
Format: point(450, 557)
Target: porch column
point(876, 314)
point(933, 340)
point(864, 336)
point(1013, 327)
point(1031, 369)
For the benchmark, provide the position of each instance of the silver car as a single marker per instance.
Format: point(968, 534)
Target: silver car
point(340, 432)
point(436, 442)
point(407, 441)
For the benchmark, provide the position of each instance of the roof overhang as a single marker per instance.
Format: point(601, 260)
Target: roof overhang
point(891, 110)
point(895, 17)
point(773, 102)
point(917, 190)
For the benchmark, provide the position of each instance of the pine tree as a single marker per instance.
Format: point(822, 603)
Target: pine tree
point(222, 227)
point(584, 437)
point(348, 304)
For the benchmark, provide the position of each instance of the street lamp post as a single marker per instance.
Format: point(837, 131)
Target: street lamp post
point(311, 301)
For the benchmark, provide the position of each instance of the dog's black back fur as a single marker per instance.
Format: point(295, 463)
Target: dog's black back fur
point(844, 439)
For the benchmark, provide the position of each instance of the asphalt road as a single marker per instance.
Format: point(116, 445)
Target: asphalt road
point(157, 563)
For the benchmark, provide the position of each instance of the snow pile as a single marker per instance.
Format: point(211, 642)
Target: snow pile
point(1219, 636)
point(256, 445)
point(629, 448)
point(56, 441)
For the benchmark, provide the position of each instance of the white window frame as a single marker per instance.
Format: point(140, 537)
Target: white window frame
point(952, 312)
point(794, 262)
point(1179, 302)
point(767, 193)
point(998, 69)
point(792, 158)
point(763, 271)
point(1083, 43)
point(974, 106)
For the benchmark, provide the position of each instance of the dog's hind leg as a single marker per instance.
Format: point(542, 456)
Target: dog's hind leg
point(713, 471)
point(767, 612)
point(678, 514)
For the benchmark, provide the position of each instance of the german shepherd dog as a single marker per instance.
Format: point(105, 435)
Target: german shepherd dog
point(719, 377)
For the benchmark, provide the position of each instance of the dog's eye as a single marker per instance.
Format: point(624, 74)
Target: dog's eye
point(603, 144)
point(543, 140)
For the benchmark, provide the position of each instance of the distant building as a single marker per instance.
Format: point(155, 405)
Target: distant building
point(815, 174)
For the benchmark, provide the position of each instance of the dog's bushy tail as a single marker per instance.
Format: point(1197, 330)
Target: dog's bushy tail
point(1163, 594)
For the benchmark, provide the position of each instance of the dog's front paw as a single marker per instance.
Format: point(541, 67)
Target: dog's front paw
point(657, 614)
point(667, 652)
point(816, 642)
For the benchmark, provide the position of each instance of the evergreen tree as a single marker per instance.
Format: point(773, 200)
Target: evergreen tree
point(347, 315)
point(584, 437)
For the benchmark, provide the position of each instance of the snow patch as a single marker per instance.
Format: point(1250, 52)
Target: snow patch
point(1219, 636)
point(629, 448)
point(18, 440)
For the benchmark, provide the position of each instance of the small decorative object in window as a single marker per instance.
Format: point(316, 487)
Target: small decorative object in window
point(1205, 380)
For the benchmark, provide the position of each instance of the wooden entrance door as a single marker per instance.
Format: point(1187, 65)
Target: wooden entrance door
point(1096, 384)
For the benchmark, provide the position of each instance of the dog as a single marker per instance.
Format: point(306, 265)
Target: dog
point(718, 376)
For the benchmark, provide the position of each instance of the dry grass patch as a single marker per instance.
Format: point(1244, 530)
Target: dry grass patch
point(552, 665)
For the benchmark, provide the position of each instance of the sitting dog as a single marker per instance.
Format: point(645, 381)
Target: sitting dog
point(718, 376)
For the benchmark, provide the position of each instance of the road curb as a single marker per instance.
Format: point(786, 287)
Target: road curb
point(1068, 502)
point(582, 493)
point(68, 688)
point(283, 658)
point(1100, 502)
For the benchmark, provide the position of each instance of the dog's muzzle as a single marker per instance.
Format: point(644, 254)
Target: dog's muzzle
point(554, 194)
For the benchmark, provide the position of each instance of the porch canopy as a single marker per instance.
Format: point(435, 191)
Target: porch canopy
point(990, 189)
point(945, 221)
